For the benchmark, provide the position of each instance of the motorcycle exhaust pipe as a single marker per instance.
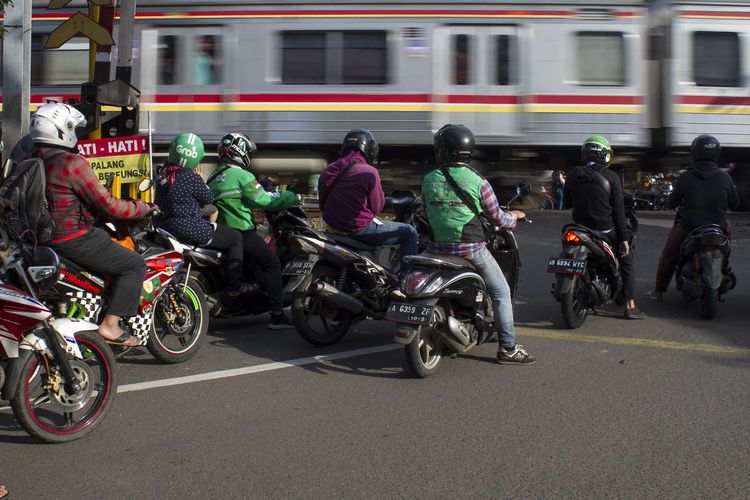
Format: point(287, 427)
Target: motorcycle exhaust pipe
point(338, 298)
point(452, 344)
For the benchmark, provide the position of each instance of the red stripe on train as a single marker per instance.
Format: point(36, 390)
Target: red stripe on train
point(714, 100)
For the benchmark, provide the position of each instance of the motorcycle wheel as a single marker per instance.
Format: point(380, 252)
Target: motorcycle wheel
point(573, 305)
point(44, 408)
point(424, 353)
point(547, 204)
point(316, 321)
point(171, 340)
point(709, 303)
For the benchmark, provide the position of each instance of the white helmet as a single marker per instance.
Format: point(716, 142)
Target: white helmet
point(56, 124)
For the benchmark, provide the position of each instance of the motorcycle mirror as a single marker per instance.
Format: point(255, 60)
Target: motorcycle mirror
point(523, 188)
point(145, 184)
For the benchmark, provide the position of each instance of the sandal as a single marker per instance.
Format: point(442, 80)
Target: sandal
point(122, 341)
point(4, 494)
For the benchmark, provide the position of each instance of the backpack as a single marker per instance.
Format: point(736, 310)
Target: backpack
point(25, 189)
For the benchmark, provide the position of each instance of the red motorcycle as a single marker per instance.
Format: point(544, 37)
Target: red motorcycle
point(57, 374)
point(172, 318)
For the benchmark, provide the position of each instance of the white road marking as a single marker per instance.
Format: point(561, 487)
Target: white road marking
point(235, 372)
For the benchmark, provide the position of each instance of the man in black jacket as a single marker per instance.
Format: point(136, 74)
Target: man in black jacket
point(704, 193)
point(595, 194)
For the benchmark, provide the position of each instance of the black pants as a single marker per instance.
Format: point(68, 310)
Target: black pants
point(230, 241)
point(96, 252)
point(627, 269)
point(258, 253)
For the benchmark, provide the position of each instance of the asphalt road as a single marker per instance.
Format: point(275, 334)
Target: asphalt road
point(656, 408)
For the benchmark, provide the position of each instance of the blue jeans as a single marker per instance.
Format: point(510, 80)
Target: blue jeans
point(499, 291)
point(390, 233)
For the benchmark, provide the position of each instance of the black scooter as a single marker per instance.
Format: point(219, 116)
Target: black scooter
point(446, 310)
point(204, 265)
point(344, 280)
point(703, 270)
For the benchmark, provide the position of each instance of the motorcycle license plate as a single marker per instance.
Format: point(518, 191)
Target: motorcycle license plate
point(566, 266)
point(298, 267)
point(409, 313)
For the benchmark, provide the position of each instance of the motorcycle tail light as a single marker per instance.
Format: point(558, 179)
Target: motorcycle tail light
point(571, 237)
point(414, 281)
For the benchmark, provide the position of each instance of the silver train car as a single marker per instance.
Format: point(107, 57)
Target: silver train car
point(532, 79)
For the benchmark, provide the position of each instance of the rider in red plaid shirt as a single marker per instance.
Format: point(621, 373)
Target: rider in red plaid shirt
point(74, 193)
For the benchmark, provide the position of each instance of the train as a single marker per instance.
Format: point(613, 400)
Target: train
point(532, 79)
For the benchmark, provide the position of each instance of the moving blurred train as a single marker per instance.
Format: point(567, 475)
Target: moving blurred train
point(532, 79)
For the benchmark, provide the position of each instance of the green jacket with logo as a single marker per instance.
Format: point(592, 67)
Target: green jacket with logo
point(451, 220)
point(237, 193)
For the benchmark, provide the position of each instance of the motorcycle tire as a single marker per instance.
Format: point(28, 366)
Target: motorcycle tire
point(546, 204)
point(189, 336)
point(306, 307)
point(46, 413)
point(573, 305)
point(709, 303)
point(424, 353)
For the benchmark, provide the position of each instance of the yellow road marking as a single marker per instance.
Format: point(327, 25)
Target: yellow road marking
point(659, 344)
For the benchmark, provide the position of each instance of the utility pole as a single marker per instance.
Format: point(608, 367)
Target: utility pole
point(16, 73)
point(125, 45)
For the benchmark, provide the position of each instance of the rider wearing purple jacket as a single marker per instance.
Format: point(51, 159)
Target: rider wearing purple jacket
point(351, 197)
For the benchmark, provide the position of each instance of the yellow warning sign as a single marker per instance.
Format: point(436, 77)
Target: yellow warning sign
point(79, 24)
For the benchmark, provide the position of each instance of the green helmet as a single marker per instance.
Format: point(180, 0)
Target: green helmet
point(186, 151)
point(596, 149)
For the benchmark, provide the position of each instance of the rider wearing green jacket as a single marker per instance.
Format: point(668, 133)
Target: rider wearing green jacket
point(236, 193)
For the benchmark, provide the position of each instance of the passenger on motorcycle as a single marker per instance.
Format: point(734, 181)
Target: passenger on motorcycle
point(704, 193)
point(351, 197)
point(182, 194)
point(455, 229)
point(595, 194)
point(74, 192)
point(237, 193)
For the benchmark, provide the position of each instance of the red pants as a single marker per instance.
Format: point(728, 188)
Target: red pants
point(670, 255)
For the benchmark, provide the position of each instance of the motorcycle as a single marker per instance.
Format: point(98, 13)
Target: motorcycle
point(447, 310)
point(345, 280)
point(702, 272)
point(172, 318)
point(587, 270)
point(58, 374)
point(204, 265)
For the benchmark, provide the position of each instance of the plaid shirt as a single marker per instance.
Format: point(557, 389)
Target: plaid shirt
point(491, 207)
point(74, 191)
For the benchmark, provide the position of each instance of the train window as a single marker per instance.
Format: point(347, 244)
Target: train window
point(716, 59)
point(206, 60)
point(600, 58)
point(365, 58)
point(168, 46)
point(504, 46)
point(461, 59)
point(303, 57)
point(64, 66)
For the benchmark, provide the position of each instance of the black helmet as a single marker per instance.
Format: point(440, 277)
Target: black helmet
point(705, 147)
point(236, 149)
point(453, 144)
point(364, 141)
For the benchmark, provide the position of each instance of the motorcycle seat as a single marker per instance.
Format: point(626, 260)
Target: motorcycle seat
point(206, 252)
point(441, 261)
point(350, 242)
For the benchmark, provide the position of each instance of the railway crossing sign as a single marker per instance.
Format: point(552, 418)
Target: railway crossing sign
point(78, 24)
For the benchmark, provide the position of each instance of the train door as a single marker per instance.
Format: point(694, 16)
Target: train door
point(477, 79)
point(182, 79)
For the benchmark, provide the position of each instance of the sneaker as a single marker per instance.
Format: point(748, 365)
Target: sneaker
point(279, 322)
point(515, 356)
point(634, 313)
point(654, 295)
